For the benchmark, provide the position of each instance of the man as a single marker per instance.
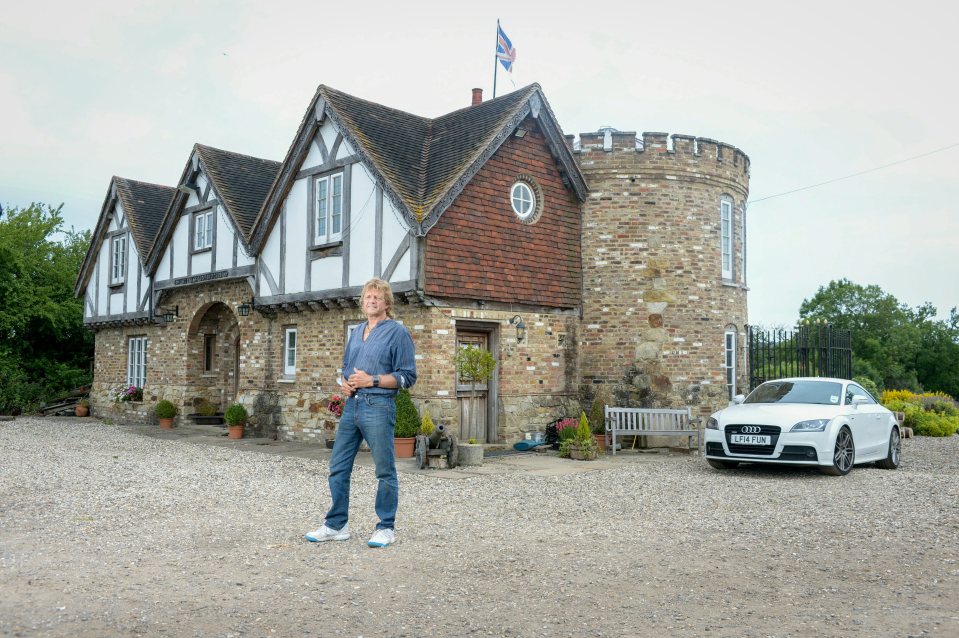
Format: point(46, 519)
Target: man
point(378, 359)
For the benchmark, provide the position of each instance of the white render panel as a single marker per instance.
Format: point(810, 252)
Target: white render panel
point(270, 255)
point(313, 157)
point(118, 219)
point(402, 272)
point(394, 232)
point(201, 182)
point(180, 243)
point(101, 280)
point(327, 273)
point(202, 263)
point(163, 269)
point(362, 230)
point(296, 238)
point(116, 303)
point(132, 274)
point(224, 234)
point(345, 150)
point(328, 132)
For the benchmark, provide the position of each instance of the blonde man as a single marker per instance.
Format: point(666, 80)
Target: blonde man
point(379, 358)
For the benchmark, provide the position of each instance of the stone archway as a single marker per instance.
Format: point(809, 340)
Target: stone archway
point(212, 340)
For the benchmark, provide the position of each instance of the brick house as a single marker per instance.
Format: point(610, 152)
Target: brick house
point(612, 263)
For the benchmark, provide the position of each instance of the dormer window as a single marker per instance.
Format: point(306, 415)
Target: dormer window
point(203, 230)
point(118, 259)
point(328, 208)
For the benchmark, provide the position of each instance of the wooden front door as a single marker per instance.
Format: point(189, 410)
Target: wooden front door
point(473, 401)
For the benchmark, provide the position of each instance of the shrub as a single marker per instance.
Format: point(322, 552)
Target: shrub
point(597, 413)
point(165, 410)
point(900, 395)
point(407, 418)
point(426, 425)
point(205, 408)
point(583, 433)
point(235, 414)
point(868, 385)
point(932, 424)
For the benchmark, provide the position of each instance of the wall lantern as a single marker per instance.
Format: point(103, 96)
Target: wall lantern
point(520, 328)
point(167, 315)
point(520, 133)
point(244, 308)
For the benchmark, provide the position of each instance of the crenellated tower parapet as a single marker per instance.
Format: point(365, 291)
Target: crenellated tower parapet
point(663, 267)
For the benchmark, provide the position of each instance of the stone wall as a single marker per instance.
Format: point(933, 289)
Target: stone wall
point(655, 305)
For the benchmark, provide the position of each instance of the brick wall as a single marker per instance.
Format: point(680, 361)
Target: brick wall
point(480, 249)
point(655, 305)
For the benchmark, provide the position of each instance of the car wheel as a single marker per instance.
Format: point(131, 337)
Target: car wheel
point(722, 465)
point(844, 456)
point(891, 461)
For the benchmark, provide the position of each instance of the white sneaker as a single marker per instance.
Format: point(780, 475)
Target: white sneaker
point(327, 534)
point(382, 538)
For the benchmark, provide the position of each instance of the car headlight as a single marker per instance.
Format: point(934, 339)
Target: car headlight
point(812, 425)
point(712, 424)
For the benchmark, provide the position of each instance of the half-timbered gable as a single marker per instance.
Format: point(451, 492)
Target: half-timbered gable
point(113, 280)
point(205, 232)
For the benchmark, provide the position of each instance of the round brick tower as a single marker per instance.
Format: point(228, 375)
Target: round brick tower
point(664, 287)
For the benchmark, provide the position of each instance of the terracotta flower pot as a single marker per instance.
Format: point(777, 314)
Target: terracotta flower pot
point(403, 447)
point(81, 410)
point(166, 424)
point(600, 441)
point(236, 431)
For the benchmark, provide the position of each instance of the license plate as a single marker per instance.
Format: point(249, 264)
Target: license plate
point(749, 439)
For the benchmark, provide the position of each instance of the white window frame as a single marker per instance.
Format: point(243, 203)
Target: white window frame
point(729, 361)
point(523, 200)
point(289, 351)
point(203, 226)
point(137, 361)
point(118, 258)
point(726, 236)
point(328, 208)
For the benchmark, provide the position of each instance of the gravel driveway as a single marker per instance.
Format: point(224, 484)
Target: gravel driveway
point(105, 532)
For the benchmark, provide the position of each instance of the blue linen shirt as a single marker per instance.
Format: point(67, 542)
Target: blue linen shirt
point(387, 350)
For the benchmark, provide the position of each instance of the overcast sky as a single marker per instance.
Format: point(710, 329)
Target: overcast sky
point(811, 91)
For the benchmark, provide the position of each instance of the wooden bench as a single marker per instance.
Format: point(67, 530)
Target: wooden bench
point(651, 422)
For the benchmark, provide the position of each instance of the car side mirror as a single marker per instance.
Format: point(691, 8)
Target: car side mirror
point(859, 399)
point(739, 398)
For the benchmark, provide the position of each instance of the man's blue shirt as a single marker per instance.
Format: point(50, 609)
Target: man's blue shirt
point(387, 350)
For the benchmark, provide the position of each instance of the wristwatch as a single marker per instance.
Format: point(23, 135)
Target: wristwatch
point(376, 380)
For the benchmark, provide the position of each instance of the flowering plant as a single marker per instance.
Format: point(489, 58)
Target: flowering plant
point(335, 405)
point(125, 394)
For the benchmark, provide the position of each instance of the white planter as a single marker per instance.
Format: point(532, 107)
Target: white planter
point(469, 454)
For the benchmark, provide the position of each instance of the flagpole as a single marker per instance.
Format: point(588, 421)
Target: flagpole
point(495, 58)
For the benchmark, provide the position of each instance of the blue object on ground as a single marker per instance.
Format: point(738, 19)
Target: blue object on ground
point(522, 446)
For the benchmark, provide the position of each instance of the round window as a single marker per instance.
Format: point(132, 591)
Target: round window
point(526, 197)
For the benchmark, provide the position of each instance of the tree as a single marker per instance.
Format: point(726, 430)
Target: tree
point(894, 345)
point(474, 365)
point(44, 347)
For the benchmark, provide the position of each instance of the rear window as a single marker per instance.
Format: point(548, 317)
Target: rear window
point(815, 392)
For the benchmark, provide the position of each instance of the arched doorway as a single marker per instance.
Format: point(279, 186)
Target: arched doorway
point(213, 361)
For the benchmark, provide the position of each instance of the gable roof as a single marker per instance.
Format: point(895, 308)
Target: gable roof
point(144, 205)
point(421, 164)
point(240, 183)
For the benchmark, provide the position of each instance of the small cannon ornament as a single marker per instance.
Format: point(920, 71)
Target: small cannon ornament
point(438, 450)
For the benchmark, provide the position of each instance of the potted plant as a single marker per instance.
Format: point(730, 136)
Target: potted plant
point(206, 413)
point(582, 446)
point(426, 425)
point(474, 365)
point(597, 416)
point(165, 412)
point(407, 425)
point(470, 453)
point(335, 406)
point(83, 408)
point(235, 419)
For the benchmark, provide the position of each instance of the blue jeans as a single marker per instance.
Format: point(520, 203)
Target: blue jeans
point(370, 417)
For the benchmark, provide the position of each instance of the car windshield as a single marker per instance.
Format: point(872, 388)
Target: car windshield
point(817, 392)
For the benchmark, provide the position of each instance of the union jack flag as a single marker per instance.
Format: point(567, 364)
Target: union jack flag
point(505, 52)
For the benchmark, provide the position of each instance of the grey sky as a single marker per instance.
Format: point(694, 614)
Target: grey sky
point(810, 91)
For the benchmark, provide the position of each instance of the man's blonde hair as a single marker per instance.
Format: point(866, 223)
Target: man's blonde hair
point(379, 285)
